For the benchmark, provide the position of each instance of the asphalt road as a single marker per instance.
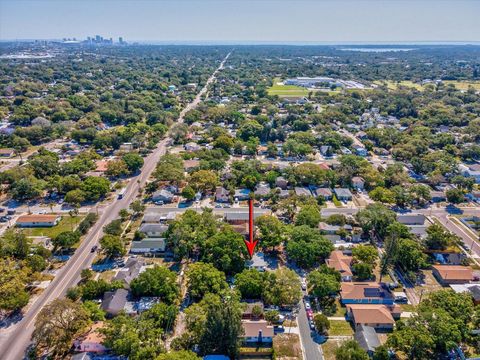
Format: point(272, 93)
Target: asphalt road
point(18, 338)
point(311, 349)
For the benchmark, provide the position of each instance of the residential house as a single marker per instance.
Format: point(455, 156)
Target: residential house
point(281, 182)
point(358, 183)
point(153, 230)
point(472, 289)
point(242, 194)
point(341, 263)
point(240, 216)
point(326, 193)
point(148, 246)
point(222, 195)
point(452, 274)
point(470, 170)
point(262, 190)
point(91, 342)
point(248, 312)
point(257, 331)
point(302, 191)
point(365, 293)
point(378, 317)
point(6, 153)
point(143, 304)
point(162, 195)
point(367, 338)
point(438, 196)
point(326, 150)
point(132, 268)
point(257, 262)
point(191, 147)
point(38, 220)
point(411, 219)
point(114, 301)
point(191, 165)
point(360, 150)
point(152, 218)
point(343, 194)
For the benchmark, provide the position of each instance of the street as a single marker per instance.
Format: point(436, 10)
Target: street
point(311, 349)
point(17, 339)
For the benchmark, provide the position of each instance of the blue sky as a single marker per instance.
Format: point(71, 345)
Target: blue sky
point(231, 21)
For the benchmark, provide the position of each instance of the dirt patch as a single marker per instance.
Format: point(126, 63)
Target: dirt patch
point(287, 347)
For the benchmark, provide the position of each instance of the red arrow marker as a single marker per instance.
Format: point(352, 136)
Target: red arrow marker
point(250, 242)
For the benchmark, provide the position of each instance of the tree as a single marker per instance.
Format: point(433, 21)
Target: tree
point(75, 197)
point(26, 189)
point(178, 355)
point(350, 350)
point(282, 288)
point(420, 193)
point(188, 193)
point(307, 246)
point(226, 251)
point(382, 195)
point(156, 281)
point(137, 207)
point(216, 324)
point(376, 217)
point(203, 180)
point(189, 232)
point(323, 283)
point(117, 168)
point(15, 244)
point(204, 278)
point(438, 238)
point(272, 316)
point(455, 196)
point(57, 324)
point(112, 246)
point(95, 313)
point(224, 142)
point(12, 286)
point(66, 239)
point(363, 271)
point(322, 324)
point(308, 215)
point(95, 187)
point(410, 256)
point(272, 231)
point(250, 283)
point(133, 161)
point(170, 168)
point(365, 253)
point(113, 228)
point(250, 129)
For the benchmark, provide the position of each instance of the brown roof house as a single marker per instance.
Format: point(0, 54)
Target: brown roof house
point(365, 293)
point(38, 220)
point(341, 263)
point(378, 317)
point(453, 274)
point(257, 331)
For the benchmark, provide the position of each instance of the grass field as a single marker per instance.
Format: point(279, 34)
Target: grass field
point(340, 328)
point(292, 90)
point(393, 85)
point(464, 85)
point(66, 224)
point(461, 85)
point(287, 90)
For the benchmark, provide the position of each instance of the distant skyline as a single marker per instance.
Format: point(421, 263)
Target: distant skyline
point(244, 21)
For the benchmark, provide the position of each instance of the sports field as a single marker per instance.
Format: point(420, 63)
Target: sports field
point(459, 84)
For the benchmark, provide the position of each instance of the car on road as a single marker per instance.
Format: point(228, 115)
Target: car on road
point(94, 248)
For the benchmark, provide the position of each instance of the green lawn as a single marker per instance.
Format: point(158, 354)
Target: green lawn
point(340, 328)
point(287, 90)
point(463, 85)
point(66, 224)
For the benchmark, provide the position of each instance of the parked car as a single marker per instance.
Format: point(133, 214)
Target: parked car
point(312, 325)
point(278, 329)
